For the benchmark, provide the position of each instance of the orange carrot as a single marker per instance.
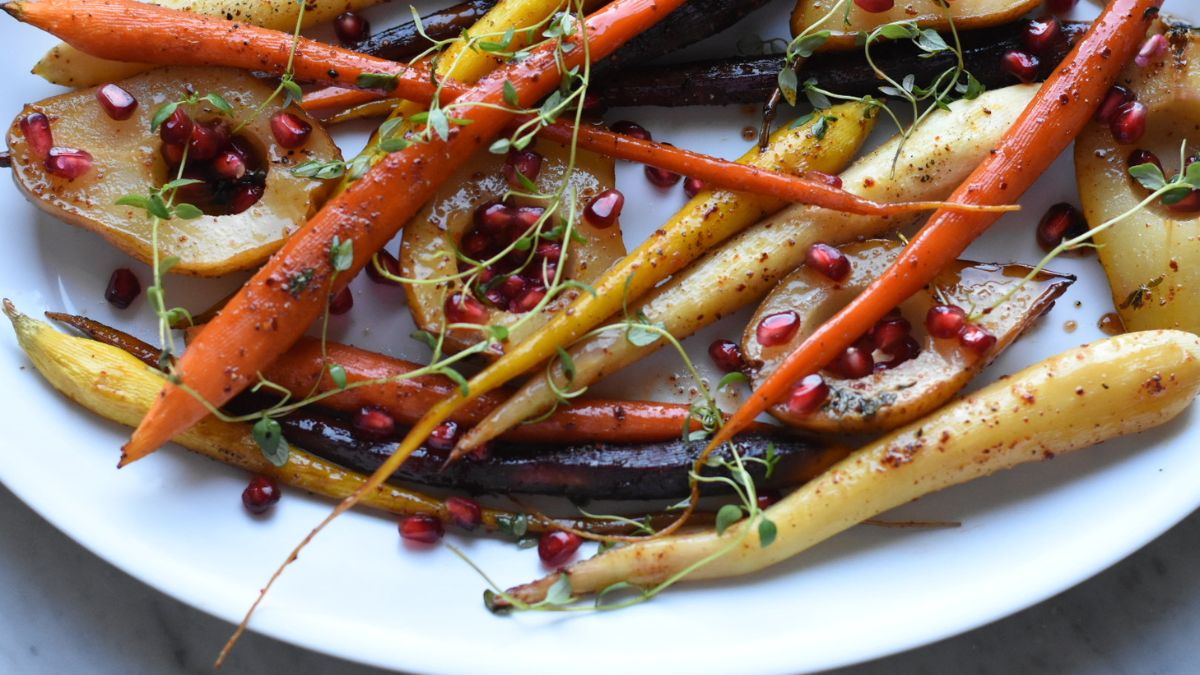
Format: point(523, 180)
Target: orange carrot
point(135, 31)
point(1065, 103)
point(331, 98)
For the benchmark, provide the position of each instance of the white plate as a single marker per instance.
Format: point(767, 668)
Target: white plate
point(176, 522)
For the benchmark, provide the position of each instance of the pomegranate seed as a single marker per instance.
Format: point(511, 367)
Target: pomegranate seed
point(1042, 34)
point(976, 338)
point(494, 296)
point(525, 162)
point(68, 163)
point(875, 6)
point(557, 547)
point(525, 218)
point(351, 28)
point(527, 302)
point(177, 128)
point(661, 177)
point(244, 197)
point(905, 350)
point(512, 287)
point(550, 251)
point(475, 244)
point(1153, 48)
point(1062, 221)
point(826, 178)
point(123, 288)
point(443, 437)
point(260, 495)
point(1129, 123)
point(604, 209)
point(726, 355)
point(776, 329)
point(1060, 6)
point(945, 321)
point(117, 103)
point(242, 147)
point(207, 141)
point(852, 364)
point(828, 260)
point(462, 308)
point(1140, 156)
point(890, 331)
point(493, 217)
point(374, 422)
point(1189, 204)
point(35, 127)
point(1116, 97)
point(693, 187)
point(229, 164)
point(466, 513)
point(1021, 65)
point(594, 106)
point(289, 131)
point(195, 193)
point(768, 498)
point(388, 262)
point(172, 154)
point(421, 529)
point(631, 129)
point(808, 396)
point(342, 302)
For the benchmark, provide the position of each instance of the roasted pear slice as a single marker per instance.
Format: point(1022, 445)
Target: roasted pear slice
point(903, 383)
point(1152, 258)
point(927, 14)
point(128, 159)
point(468, 223)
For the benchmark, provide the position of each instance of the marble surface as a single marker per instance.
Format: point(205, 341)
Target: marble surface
point(63, 610)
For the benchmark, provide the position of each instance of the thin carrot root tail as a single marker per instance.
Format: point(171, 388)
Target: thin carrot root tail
point(961, 207)
point(532, 592)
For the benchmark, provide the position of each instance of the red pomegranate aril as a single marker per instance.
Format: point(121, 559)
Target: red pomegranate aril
point(826, 178)
point(123, 288)
point(661, 177)
point(207, 141)
point(1128, 125)
point(768, 498)
point(604, 209)
point(351, 28)
point(726, 355)
point(172, 154)
point(290, 131)
point(1141, 156)
point(463, 512)
point(389, 263)
point(462, 308)
point(244, 197)
point(1021, 65)
point(1060, 6)
point(524, 218)
point(1041, 34)
point(550, 251)
point(528, 301)
point(890, 332)
point(808, 396)
point(260, 495)
point(525, 162)
point(1062, 221)
point(693, 187)
point(475, 244)
point(631, 129)
point(421, 529)
point(374, 422)
point(118, 104)
point(853, 364)
point(342, 302)
point(243, 148)
point(828, 260)
point(229, 164)
point(594, 107)
point(493, 217)
point(35, 127)
point(875, 6)
point(177, 128)
point(906, 350)
point(557, 548)
point(945, 321)
point(512, 286)
point(68, 163)
point(485, 275)
point(776, 329)
point(1116, 97)
point(1154, 47)
point(443, 437)
point(1189, 204)
point(496, 297)
point(976, 338)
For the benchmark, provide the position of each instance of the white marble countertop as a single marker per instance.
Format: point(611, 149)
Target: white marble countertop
point(66, 611)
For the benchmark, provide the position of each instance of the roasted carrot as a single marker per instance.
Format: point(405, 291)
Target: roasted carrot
point(277, 305)
point(1063, 105)
point(118, 29)
point(337, 98)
